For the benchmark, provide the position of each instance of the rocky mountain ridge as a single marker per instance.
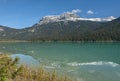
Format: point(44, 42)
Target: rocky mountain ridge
point(71, 17)
point(66, 27)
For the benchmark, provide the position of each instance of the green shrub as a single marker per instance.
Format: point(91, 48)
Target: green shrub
point(10, 71)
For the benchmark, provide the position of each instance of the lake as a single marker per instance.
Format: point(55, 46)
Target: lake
point(86, 61)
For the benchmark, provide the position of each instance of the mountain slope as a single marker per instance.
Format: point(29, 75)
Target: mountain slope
point(108, 31)
point(65, 29)
point(8, 33)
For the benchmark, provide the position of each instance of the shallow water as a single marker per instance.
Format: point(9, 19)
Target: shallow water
point(85, 61)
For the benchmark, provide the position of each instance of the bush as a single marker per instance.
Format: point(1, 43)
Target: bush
point(11, 71)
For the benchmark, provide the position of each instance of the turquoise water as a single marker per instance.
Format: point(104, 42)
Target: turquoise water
point(84, 61)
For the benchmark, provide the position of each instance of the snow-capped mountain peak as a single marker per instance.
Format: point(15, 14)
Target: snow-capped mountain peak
point(71, 17)
point(57, 18)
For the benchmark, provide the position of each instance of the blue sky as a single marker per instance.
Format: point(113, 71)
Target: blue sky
point(25, 13)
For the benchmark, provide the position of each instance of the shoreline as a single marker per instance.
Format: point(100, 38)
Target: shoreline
point(13, 41)
point(23, 41)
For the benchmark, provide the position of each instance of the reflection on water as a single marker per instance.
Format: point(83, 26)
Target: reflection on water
point(102, 71)
point(26, 60)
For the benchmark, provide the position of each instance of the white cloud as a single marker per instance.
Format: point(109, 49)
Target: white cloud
point(98, 19)
point(110, 18)
point(90, 12)
point(75, 11)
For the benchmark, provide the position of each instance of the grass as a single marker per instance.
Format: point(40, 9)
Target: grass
point(10, 71)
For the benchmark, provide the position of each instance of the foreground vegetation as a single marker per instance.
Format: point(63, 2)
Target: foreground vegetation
point(11, 71)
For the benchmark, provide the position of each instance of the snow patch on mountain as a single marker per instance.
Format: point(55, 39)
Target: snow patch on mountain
point(71, 17)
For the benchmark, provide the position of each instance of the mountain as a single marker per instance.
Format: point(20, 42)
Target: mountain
point(66, 27)
point(63, 30)
point(7, 32)
point(71, 17)
point(108, 31)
